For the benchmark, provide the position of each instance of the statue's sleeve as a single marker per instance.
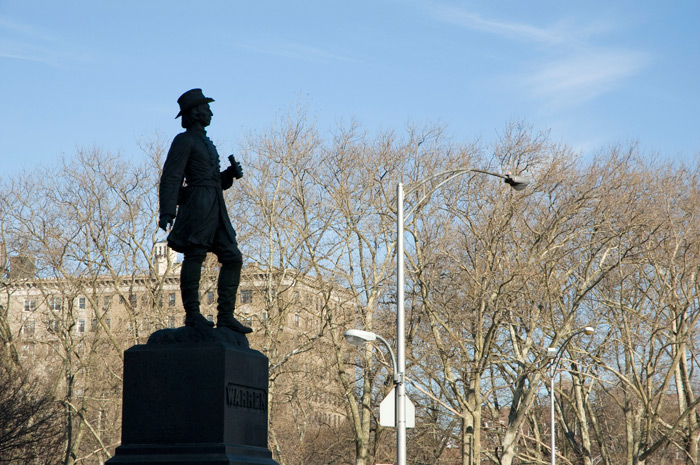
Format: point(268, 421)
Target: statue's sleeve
point(173, 174)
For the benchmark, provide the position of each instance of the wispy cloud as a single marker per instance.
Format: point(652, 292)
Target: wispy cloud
point(19, 41)
point(584, 76)
point(521, 31)
point(587, 72)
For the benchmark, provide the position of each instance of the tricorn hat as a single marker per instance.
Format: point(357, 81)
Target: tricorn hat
point(191, 99)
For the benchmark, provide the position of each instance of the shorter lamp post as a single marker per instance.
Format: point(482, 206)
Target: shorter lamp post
point(555, 354)
point(357, 337)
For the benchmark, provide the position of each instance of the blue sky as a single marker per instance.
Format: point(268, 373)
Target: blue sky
point(108, 73)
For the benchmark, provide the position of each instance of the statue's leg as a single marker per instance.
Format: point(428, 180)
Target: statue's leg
point(190, 274)
point(229, 278)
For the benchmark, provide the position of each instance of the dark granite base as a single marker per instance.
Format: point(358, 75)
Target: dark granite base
point(191, 454)
point(194, 395)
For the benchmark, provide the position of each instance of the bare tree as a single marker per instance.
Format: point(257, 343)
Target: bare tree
point(650, 307)
point(85, 225)
point(30, 418)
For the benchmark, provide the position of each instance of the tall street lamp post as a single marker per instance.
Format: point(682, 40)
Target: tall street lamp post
point(555, 354)
point(517, 183)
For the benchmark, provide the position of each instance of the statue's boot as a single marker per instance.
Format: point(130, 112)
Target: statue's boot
point(229, 278)
point(189, 290)
point(227, 320)
point(197, 319)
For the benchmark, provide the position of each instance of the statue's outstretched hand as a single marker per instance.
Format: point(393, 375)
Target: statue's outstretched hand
point(165, 222)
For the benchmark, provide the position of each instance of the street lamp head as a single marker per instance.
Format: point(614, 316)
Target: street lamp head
point(516, 182)
point(588, 330)
point(551, 352)
point(357, 337)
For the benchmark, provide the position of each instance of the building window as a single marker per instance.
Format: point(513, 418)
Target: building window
point(107, 302)
point(133, 300)
point(171, 300)
point(264, 316)
point(246, 296)
point(28, 328)
point(171, 322)
point(54, 325)
point(210, 297)
point(210, 318)
point(94, 324)
point(81, 303)
point(81, 326)
point(55, 304)
point(29, 305)
point(248, 320)
point(296, 320)
point(101, 420)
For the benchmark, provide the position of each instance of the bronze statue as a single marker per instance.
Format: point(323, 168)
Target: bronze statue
point(191, 194)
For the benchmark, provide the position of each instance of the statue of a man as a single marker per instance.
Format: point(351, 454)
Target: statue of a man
point(191, 195)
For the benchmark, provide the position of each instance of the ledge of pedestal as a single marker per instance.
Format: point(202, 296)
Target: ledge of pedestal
point(198, 334)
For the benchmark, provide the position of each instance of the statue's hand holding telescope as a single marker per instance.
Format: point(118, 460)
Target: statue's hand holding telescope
point(232, 172)
point(235, 167)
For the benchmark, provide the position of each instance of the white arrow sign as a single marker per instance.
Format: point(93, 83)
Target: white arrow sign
point(387, 411)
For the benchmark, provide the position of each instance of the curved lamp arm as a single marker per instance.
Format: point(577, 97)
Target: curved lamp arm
point(357, 337)
point(516, 182)
point(556, 354)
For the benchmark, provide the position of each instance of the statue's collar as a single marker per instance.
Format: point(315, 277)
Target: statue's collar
point(197, 130)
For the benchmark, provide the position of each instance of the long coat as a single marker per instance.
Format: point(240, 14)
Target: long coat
point(193, 158)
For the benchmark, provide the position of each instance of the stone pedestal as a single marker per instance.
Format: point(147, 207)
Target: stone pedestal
point(194, 396)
